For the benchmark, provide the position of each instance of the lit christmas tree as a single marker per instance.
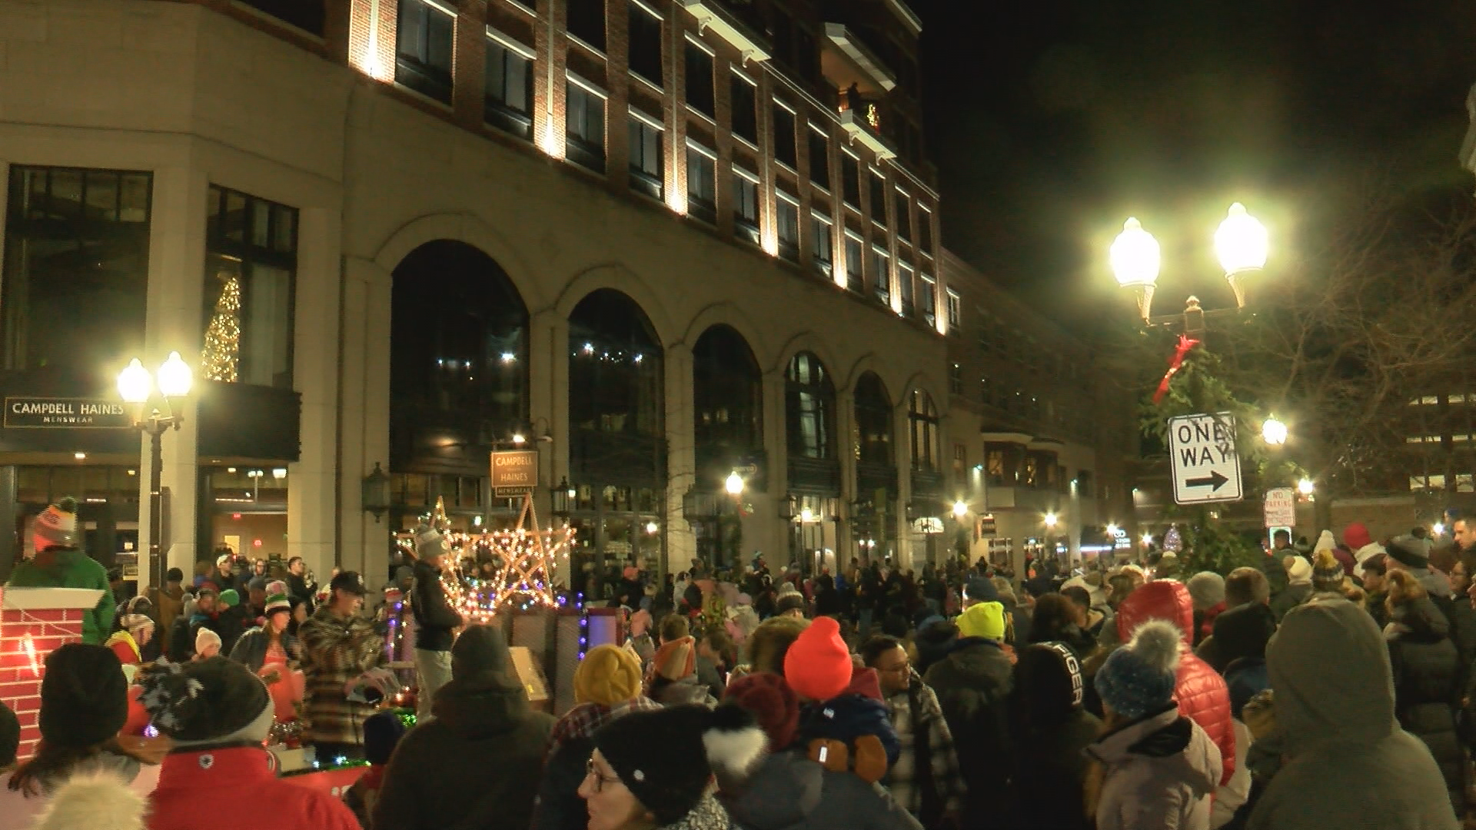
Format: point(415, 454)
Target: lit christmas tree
point(223, 337)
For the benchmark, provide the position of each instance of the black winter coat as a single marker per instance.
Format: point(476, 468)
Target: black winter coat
point(1051, 772)
point(434, 616)
point(973, 685)
point(1427, 688)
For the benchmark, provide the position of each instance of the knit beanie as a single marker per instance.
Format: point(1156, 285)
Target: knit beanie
point(607, 675)
point(666, 757)
point(818, 665)
point(980, 589)
point(382, 731)
point(771, 702)
point(1298, 569)
point(1356, 536)
point(9, 735)
point(1207, 589)
point(429, 543)
point(207, 702)
point(769, 644)
point(1139, 677)
point(792, 601)
point(1410, 552)
point(984, 619)
point(84, 696)
point(133, 623)
point(277, 586)
point(205, 637)
point(1048, 677)
point(677, 659)
point(56, 526)
point(1325, 541)
point(1327, 572)
point(229, 598)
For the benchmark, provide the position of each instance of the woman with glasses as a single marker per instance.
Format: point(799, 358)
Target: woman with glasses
point(655, 769)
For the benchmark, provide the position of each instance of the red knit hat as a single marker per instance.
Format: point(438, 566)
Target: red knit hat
point(772, 703)
point(1356, 536)
point(818, 665)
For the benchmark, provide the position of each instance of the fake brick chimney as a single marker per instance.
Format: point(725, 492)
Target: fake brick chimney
point(33, 623)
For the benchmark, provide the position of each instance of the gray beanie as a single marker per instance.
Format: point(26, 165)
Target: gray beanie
point(1207, 589)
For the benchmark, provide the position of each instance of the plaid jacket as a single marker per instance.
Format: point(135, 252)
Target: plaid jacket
point(585, 719)
point(336, 650)
point(901, 779)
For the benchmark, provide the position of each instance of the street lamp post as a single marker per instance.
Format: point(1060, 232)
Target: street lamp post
point(136, 386)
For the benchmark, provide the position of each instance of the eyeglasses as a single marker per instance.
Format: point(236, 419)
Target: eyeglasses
point(590, 770)
point(898, 669)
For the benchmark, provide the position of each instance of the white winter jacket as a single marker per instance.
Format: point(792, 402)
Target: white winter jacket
point(1160, 772)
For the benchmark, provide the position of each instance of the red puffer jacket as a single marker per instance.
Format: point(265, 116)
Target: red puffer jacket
point(1199, 689)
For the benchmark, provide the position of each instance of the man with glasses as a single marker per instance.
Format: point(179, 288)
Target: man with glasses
point(926, 778)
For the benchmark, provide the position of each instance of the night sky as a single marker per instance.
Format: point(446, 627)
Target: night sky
point(1052, 121)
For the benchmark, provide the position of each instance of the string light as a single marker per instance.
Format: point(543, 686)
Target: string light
point(223, 338)
point(583, 625)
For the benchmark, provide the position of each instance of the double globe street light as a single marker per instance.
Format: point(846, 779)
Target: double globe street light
point(1241, 244)
point(136, 386)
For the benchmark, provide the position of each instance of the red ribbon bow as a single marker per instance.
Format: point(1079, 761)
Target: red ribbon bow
point(1185, 344)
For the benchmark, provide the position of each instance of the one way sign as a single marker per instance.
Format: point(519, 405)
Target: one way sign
point(1205, 465)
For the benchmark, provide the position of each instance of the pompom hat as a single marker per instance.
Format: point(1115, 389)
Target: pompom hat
point(818, 665)
point(607, 675)
point(207, 702)
point(1327, 571)
point(768, 697)
point(1139, 678)
point(56, 526)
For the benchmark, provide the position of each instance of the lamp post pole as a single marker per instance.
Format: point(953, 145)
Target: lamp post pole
point(136, 385)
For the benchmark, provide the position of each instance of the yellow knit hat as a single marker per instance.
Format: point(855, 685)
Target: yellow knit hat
point(984, 619)
point(608, 675)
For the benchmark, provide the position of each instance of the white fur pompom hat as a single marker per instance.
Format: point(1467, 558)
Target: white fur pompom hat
point(1139, 677)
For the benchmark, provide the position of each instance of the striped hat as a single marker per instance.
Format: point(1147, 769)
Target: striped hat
point(278, 602)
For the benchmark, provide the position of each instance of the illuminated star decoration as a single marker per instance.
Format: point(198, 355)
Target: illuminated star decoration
point(524, 556)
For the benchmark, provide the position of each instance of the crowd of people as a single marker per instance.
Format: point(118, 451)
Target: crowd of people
point(1109, 695)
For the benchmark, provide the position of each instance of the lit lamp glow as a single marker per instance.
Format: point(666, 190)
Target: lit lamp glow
point(734, 484)
point(960, 509)
point(1306, 487)
point(1241, 244)
point(135, 384)
point(175, 377)
point(1050, 520)
point(1135, 258)
point(1273, 432)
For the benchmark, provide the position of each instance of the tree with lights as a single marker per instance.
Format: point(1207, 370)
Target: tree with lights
point(222, 352)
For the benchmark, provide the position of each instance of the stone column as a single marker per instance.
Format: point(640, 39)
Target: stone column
point(364, 432)
point(775, 532)
point(681, 457)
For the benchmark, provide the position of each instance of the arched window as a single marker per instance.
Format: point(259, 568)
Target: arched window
point(809, 408)
point(615, 388)
point(873, 422)
point(922, 418)
point(458, 359)
point(728, 400)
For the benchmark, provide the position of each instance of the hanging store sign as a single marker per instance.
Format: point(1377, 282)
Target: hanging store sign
point(65, 413)
point(514, 473)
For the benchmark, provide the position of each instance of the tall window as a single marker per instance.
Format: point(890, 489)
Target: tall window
point(784, 138)
point(587, 21)
point(76, 269)
point(745, 205)
point(851, 180)
point(645, 43)
point(955, 379)
point(809, 407)
point(615, 383)
point(922, 417)
point(854, 265)
point(786, 217)
point(745, 108)
point(727, 401)
point(878, 199)
point(821, 243)
point(881, 276)
point(955, 312)
point(250, 269)
point(928, 301)
point(509, 88)
point(904, 214)
point(873, 422)
point(645, 157)
point(699, 80)
point(584, 115)
point(904, 287)
point(819, 159)
point(925, 231)
point(423, 48)
point(701, 183)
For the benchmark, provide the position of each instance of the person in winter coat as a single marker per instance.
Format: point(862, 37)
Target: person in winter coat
point(1427, 678)
point(1051, 730)
point(655, 769)
point(769, 644)
point(675, 680)
point(973, 684)
point(1357, 539)
point(435, 620)
point(1199, 690)
point(784, 789)
point(1207, 590)
point(1298, 587)
point(1158, 767)
point(1242, 634)
point(168, 602)
point(607, 685)
point(1057, 619)
point(1334, 705)
point(338, 645)
point(94, 800)
point(272, 654)
point(128, 642)
point(382, 733)
point(1406, 553)
point(218, 714)
point(925, 778)
point(481, 714)
point(61, 563)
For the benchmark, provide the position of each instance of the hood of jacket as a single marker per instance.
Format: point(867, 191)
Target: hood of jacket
point(782, 791)
point(96, 798)
point(1179, 752)
point(480, 710)
point(1436, 585)
point(1421, 620)
point(1161, 599)
point(1329, 669)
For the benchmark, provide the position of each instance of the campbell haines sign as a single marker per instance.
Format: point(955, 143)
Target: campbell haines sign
point(65, 413)
point(514, 472)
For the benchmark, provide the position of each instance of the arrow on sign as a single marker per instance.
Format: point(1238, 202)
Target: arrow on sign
point(1214, 481)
